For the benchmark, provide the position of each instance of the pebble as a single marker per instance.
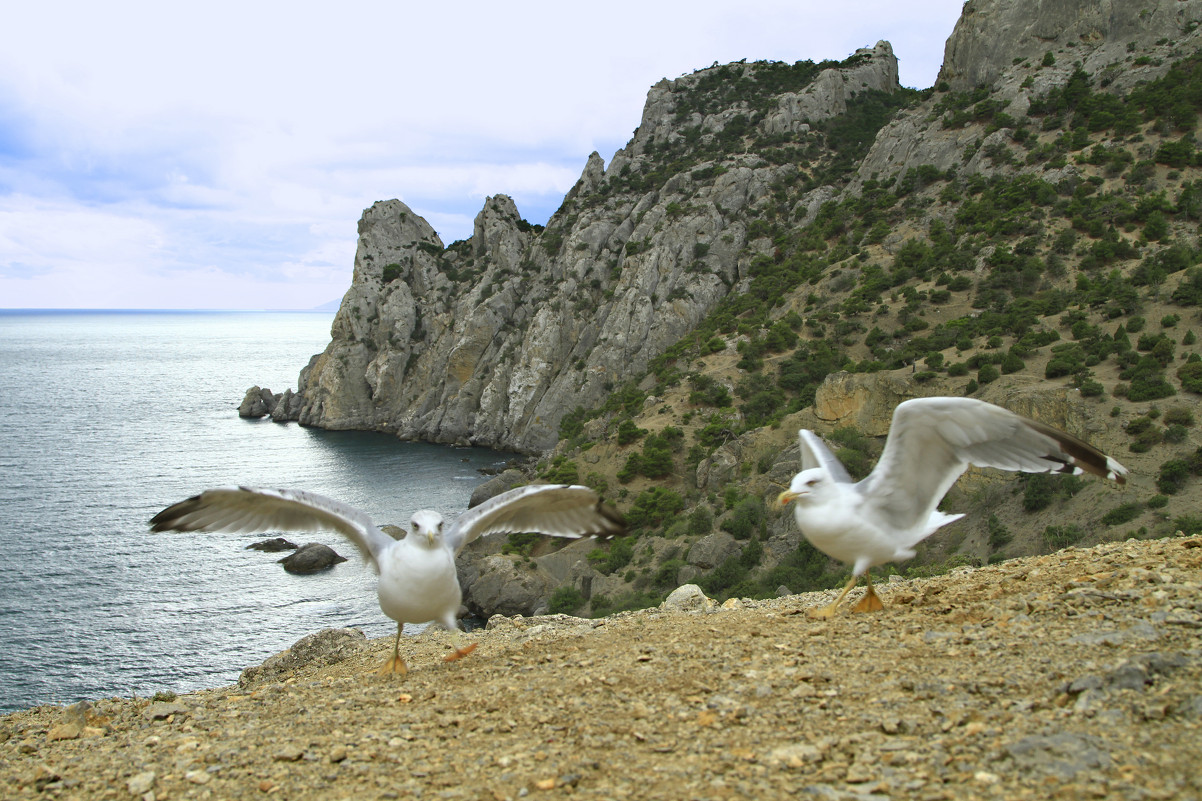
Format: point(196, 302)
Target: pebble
point(141, 783)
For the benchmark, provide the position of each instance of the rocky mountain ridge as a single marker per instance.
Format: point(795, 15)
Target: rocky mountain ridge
point(492, 340)
point(783, 246)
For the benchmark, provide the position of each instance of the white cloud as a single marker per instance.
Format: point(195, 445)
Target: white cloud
point(151, 152)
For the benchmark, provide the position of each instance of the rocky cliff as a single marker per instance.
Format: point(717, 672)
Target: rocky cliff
point(492, 340)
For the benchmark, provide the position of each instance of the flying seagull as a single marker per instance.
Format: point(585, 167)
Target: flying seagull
point(931, 442)
point(418, 582)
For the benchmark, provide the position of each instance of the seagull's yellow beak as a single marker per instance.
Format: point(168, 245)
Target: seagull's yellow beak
point(786, 496)
point(430, 537)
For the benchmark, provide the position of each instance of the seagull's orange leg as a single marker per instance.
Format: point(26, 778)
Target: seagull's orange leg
point(871, 602)
point(395, 664)
point(830, 608)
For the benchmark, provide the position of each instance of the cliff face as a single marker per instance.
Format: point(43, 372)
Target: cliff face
point(994, 45)
point(493, 340)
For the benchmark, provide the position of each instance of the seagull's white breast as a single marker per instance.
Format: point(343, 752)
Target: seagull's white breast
point(837, 527)
point(419, 584)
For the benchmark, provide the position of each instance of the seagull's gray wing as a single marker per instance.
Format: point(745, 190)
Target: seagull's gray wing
point(932, 441)
point(814, 453)
point(247, 510)
point(559, 510)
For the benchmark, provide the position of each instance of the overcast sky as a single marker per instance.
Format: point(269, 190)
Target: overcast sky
point(219, 154)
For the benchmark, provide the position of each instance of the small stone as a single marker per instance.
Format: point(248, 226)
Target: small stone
point(545, 784)
point(891, 725)
point(27, 747)
point(795, 755)
point(44, 775)
point(859, 774)
point(266, 786)
point(141, 783)
point(164, 710)
point(65, 731)
point(985, 777)
point(338, 754)
point(289, 753)
point(198, 776)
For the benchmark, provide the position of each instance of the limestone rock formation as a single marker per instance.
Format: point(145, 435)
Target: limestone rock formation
point(491, 341)
point(991, 35)
point(994, 45)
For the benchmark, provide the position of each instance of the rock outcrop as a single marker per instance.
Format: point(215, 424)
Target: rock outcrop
point(995, 44)
point(492, 340)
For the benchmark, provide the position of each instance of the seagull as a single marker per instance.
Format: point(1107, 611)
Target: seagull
point(931, 442)
point(418, 582)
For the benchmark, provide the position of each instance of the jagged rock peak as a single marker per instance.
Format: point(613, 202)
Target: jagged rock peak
point(399, 221)
point(992, 34)
point(497, 232)
point(590, 180)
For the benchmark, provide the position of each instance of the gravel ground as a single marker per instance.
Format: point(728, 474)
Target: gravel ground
point(1073, 675)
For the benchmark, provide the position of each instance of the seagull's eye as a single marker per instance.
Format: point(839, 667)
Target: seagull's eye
point(811, 482)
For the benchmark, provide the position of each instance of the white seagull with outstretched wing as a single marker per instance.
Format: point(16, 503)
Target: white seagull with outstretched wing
point(418, 581)
point(931, 442)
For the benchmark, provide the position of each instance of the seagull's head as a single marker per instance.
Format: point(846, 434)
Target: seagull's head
point(806, 486)
point(426, 528)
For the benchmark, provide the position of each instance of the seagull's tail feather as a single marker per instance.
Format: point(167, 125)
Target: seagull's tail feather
point(936, 521)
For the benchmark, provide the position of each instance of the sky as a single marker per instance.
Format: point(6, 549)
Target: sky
point(218, 155)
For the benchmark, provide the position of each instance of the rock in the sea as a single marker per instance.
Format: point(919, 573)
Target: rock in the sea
point(273, 545)
point(258, 402)
point(311, 558)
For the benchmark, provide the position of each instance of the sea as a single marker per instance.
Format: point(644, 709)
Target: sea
point(109, 417)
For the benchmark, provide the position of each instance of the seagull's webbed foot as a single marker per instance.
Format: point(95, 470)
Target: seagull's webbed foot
point(830, 608)
point(458, 649)
point(395, 664)
point(871, 602)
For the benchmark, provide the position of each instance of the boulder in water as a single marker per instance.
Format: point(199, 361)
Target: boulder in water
point(311, 558)
point(273, 545)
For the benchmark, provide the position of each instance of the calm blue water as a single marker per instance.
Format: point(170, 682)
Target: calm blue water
point(109, 417)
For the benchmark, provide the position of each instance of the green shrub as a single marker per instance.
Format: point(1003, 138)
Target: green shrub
point(562, 471)
point(701, 521)
point(628, 432)
point(1172, 477)
point(615, 557)
point(1179, 415)
point(999, 535)
point(521, 543)
point(747, 518)
point(653, 507)
point(1062, 536)
point(565, 600)
point(1124, 513)
point(1189, 525)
